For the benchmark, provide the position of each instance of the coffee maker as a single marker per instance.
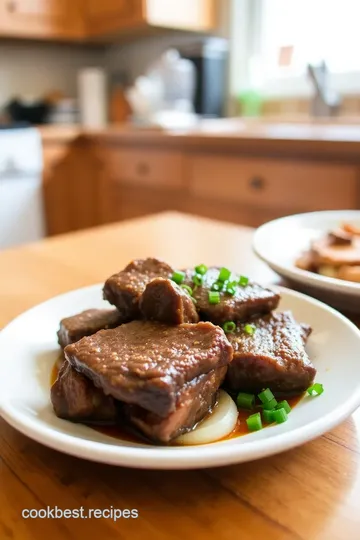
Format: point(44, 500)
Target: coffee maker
point(210, 57)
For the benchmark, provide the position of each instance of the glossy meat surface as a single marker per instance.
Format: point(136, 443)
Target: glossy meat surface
point(146, 363)
point(274, 356)
point(87, 323)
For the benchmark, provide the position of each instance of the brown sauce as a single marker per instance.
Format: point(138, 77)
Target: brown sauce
point(124, 433)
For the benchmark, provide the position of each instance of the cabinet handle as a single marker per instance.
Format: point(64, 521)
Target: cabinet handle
point(11, 6)
point(143, 169)
point(257, 183)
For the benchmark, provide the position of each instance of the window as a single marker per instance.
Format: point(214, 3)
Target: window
point(292, 33)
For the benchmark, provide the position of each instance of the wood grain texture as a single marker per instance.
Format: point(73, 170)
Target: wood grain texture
point(309, 493)
point(39, 19)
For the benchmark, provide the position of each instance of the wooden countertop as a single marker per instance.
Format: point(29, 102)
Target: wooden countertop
point(309, 493)
point(253, 136)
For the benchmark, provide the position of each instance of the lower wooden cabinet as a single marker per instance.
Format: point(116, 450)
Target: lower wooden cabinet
point(88, 183)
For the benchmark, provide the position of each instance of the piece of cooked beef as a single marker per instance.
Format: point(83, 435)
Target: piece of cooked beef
point(164, 301)
point(249, 301)
point(124, 289)
point(274, 356)
point(147, 363)
point(194, 401)
point(74, 397)
point(87, 323)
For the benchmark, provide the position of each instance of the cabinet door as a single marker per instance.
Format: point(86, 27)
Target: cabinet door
point(41, 19)
point(110, 16)
point(195, 15)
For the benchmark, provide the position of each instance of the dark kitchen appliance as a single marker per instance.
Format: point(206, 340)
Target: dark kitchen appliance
point(210, 57)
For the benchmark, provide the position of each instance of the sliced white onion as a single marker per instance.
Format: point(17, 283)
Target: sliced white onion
point(220, 423)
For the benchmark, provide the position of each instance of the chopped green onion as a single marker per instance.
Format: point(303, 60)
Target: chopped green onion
point(197, 280)
point(284, 405)
point(178, 277)
point(245, 401)
point(224, 274)
point(268, 416)
point(187, 289)
point(270, 405)
point(214, 297)
point(243, 281)
point(217, 286)
point(249, 329)
point(232, 284)
point(279, 416)
point(231, 290)
point(266, 395)
point(194, 300)
point(201, 269)
point(316, 389)
point(229, 326)
point(254, 422)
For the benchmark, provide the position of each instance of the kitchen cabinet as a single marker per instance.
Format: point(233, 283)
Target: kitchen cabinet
point(87, 19)
point(280, 185)
point(41, 19)
point(95, 180)
point(71, 186)
point(114, 16)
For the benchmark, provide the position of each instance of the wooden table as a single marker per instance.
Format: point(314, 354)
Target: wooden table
point(312, 492)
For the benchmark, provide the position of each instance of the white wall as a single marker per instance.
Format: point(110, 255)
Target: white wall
point(30, 69)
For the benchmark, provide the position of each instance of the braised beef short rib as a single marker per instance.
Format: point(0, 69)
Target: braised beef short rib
point(87, 323)
point(147, 363)
point(165, 301)
point(274, 356)
point(74, 397)
point(194, 401)
point(248, 301)
point(124, 289)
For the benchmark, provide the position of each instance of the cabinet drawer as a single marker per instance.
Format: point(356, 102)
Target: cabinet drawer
point(292, 185)
point(150, 167)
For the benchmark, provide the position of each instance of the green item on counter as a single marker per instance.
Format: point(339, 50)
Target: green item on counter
point(250, 103)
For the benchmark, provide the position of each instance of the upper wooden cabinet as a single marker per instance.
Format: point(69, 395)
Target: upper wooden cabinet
point(42, 19)
point(84, 19)
point(114, 16)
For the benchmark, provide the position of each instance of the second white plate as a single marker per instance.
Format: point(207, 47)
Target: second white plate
point(280, 242)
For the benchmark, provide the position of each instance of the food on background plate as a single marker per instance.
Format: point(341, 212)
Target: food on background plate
point(335, 255)
point(87, 323)
point(158, 371)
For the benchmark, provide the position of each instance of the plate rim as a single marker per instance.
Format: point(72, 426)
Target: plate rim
point(214, 455)
point(304, 276)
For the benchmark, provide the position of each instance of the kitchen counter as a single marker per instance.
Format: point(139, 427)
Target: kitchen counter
point(320, 138)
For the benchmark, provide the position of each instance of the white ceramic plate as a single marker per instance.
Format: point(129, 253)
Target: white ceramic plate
point(280, 242)
point(28, 350)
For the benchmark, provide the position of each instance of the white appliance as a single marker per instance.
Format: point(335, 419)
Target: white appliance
point(21, 201)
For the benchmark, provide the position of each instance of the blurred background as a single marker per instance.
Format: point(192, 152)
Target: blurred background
point(238, 110)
